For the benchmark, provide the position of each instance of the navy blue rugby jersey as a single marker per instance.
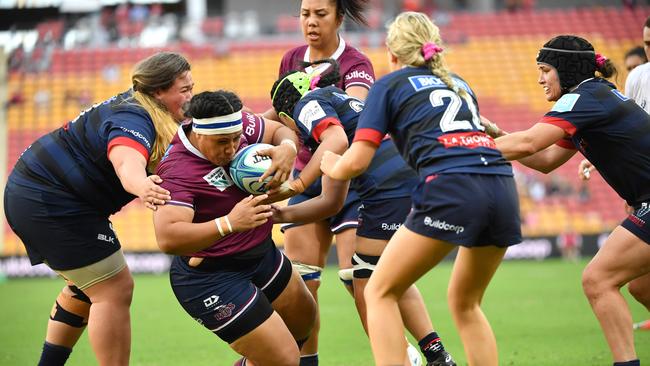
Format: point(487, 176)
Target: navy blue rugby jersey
point(388, 176)
point(610, 130)
point(435, 129)
point(73, 159)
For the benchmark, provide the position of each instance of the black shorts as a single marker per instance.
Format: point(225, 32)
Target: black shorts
point(57, 229)
point(637, 222)
point(381, 219)
point(231, 295)
point(467, 209)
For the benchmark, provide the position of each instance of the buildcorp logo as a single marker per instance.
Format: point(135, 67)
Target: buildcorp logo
point(443, 225)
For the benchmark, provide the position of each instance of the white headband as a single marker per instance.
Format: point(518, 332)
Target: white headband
point(219, 125)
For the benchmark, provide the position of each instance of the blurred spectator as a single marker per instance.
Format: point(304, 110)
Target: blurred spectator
point(232, 26)
point(111, 74)
point(42, 99)
point(250, 24)
point(16, 98)
point(635, 57)
point(536, 190)
point(516, 5)
point(16, 59)
point(630, 4)
point(81, 98)
point(556, 185)
point(138, 13)
point(569, 243)
point(423, 6)
point(584, 194)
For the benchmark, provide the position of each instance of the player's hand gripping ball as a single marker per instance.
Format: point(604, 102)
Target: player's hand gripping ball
point(247, 167)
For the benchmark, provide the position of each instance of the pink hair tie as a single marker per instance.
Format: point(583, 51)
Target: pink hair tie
point(313, 83)
point(430, 49)
point(600, 60)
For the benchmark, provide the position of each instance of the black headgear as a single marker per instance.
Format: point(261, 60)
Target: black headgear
point(573, 57)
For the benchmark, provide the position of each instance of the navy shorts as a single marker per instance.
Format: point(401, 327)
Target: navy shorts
point(467, 209)
point(637, 223)
point(232, 295)
point(381, 219)
point(345, 219)
point(56, 228)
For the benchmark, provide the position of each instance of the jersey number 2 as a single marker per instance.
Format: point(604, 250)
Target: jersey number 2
point(448, 122)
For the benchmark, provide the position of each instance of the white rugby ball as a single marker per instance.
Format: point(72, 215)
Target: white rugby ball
point(247, 167)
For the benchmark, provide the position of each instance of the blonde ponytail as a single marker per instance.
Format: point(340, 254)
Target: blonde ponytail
point(165, 125)
point(408, 34)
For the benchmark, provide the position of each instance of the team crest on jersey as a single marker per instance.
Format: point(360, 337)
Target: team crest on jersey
point(566, 103)
point(309, 113)
point(218, 178)
point(356, 105)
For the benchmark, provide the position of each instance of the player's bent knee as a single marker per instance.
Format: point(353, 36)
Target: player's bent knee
point(308, 272)
point(72, 307)
point(640, 293)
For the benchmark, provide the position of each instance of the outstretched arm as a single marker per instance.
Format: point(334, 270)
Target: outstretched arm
point(327, 204)
point(131, 168)
point(535, 147)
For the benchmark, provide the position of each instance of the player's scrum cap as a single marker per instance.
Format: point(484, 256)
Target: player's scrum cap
point(219, 125)
point(573, 57)
point(301, 81)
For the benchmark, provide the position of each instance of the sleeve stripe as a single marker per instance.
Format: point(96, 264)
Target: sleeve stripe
point(323, 125)
point(370, 135)
point(358, 83)
point(125, 141)
point(262, 128)
point(179, 203)
point(560, 122)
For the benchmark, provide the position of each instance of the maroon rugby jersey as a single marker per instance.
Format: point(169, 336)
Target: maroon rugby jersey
point(206, 188)
point(355, 69)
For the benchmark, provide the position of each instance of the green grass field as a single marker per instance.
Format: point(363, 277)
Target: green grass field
point(537, 311)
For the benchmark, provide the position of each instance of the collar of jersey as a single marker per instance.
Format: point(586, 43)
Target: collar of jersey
point(335, 55)
point(188, 145)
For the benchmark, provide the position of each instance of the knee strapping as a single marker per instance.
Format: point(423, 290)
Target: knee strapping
point(346, 276)
point(71, 309)
point(307, 271)
point(78, 294)
point(364, 265)
point(59, 314)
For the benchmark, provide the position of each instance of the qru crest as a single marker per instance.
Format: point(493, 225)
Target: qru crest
point(218, 178)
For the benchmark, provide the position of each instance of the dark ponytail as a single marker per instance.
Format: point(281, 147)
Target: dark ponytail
point(353, 9)
point(607, 69)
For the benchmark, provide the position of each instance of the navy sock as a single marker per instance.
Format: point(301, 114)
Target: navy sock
point(431, 346)
point(309, 360)
point(54, 355)
point(628, 363)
